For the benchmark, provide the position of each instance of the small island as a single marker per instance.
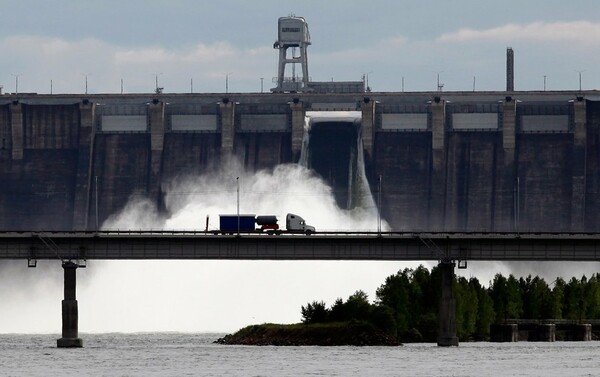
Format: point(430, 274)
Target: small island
point(406, 310)
point(320, 334)
point(354, 322)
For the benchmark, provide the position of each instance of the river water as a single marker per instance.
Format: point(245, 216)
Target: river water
point(184, 354)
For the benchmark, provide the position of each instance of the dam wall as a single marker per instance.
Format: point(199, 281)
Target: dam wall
point(451, 161)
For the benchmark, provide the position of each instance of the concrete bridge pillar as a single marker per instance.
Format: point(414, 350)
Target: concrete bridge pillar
point(227, 109)
point(16, 116)
point(582, 332)
point(545, 332)
point(298, 115)
point(579, 166)
point(70, 333)
point(447, 316)
point(508, 332)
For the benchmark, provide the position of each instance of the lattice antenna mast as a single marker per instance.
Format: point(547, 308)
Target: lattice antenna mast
point(292, 32)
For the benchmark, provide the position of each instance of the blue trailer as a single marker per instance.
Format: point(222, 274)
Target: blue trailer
point(229, 223)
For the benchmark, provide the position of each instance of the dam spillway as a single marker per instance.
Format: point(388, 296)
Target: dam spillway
point(451, 161)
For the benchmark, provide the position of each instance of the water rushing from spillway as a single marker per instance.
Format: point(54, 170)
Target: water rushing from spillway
point(332, 147)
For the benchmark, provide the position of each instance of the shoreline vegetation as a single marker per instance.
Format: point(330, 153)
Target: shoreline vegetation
point(406, 310)
point(320, 334)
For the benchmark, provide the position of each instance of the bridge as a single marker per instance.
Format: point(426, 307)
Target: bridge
point(400, 246)
point(75, 248)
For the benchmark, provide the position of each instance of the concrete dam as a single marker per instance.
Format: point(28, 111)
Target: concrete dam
point(443, 161)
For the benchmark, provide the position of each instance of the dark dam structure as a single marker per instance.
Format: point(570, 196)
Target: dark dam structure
point(445, 161)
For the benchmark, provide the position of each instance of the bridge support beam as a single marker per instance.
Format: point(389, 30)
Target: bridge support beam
point(447, 316)
point(70, 333)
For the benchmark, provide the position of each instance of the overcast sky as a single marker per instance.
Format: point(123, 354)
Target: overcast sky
point(180, 40)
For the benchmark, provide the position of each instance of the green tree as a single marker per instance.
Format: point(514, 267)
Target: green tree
point(394, 294)
point(537, 298)
point(357, 307)
point(383, 317)
point(592, 297)
point(515, 301)
point(499, 296)
point(466, 308)
point(337, 312)
point(314, 312)
point(573, 300)
point(485, 311)
point(557, 299)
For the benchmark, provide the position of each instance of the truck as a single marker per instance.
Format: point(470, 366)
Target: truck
point(296, 224)
point(230, 224)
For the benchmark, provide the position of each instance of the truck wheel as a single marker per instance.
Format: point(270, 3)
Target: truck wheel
point(308, 232)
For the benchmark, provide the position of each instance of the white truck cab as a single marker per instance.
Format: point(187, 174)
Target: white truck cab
point(296, 224)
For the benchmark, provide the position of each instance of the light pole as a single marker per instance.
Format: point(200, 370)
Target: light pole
point(261, 84)
point(367, 81)
point(157, 89)
point(439, 86)
point(86, 81)
point(227, 81)
point(580, 72)
point(16, 83)
point(545, 83)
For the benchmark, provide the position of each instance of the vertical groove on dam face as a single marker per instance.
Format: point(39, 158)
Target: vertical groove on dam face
point(190, 154)
point(331, 148)
point(263, 150)
point(404, 163)
point(121, 162)
point(592, 189)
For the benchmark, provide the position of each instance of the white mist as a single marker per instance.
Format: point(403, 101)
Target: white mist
point(226, 295)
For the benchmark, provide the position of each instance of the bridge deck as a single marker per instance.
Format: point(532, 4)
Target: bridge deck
point(320, 246)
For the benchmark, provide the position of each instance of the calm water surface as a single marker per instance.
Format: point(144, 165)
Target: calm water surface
point(173, 354)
